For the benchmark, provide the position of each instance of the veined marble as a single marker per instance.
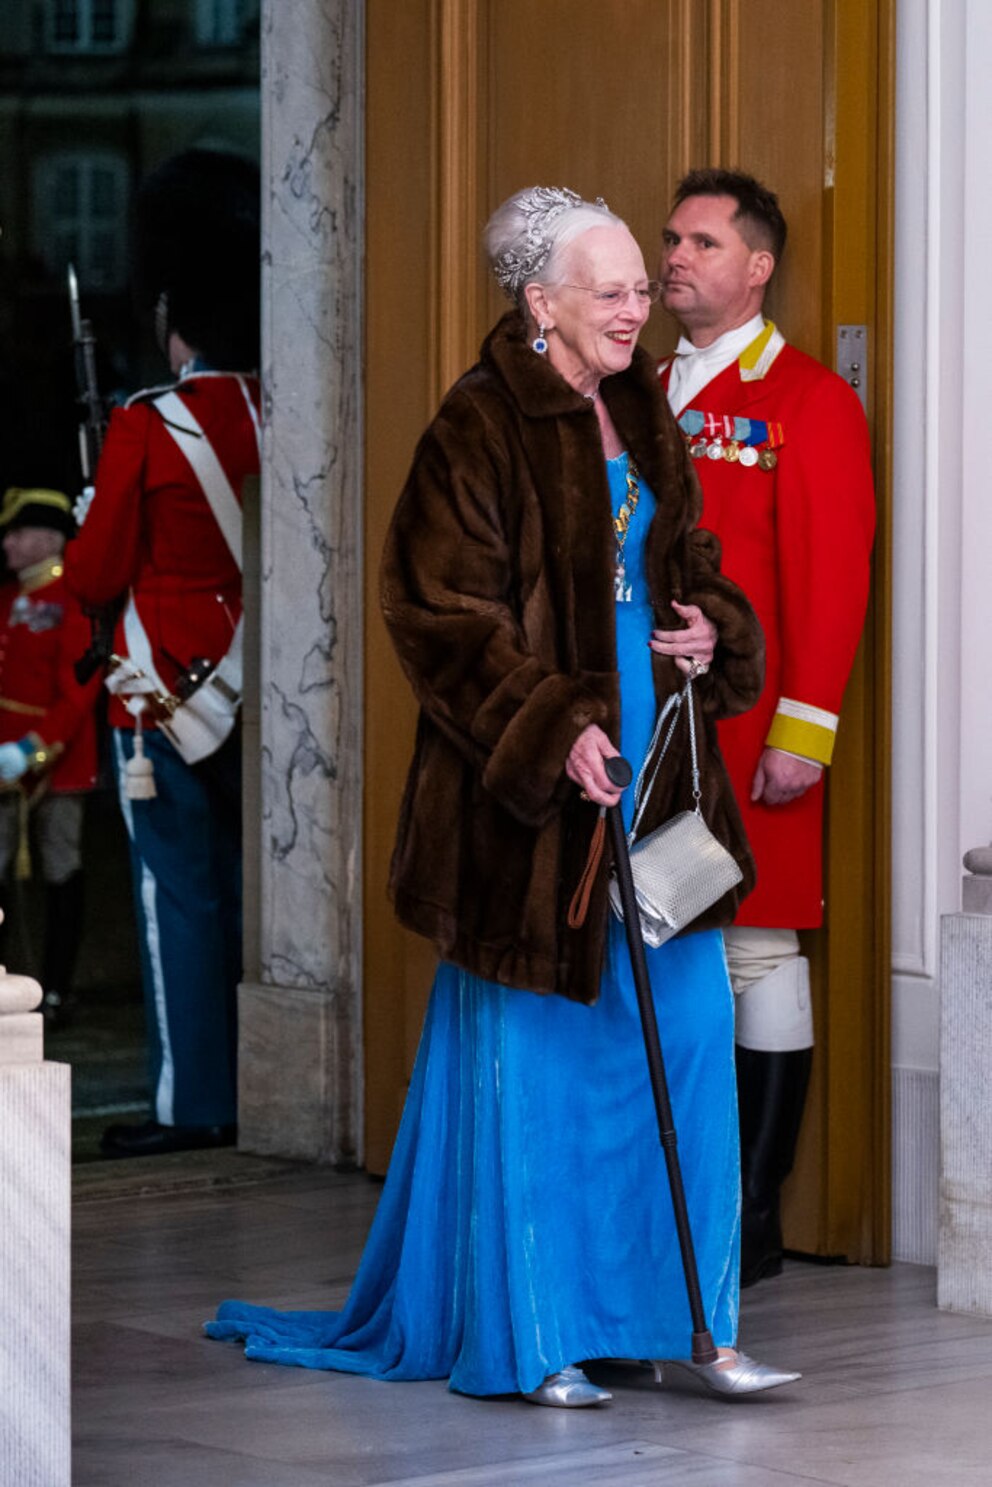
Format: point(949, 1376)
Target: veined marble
point(310, 656)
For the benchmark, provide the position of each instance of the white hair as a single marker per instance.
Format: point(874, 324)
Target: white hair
point(525, 238)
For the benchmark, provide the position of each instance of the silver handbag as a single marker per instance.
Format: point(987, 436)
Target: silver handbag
point(680, 869)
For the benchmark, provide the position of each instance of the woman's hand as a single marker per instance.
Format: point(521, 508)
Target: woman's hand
point(584, 765)
point(691, 648)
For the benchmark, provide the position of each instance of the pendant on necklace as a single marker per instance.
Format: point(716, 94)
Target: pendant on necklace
point(621, 588)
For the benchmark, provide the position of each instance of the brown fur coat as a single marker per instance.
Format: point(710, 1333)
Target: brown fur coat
point(497, 590)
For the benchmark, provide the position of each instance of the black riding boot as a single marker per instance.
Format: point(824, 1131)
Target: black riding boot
point(771, 1094)
point(63, 932)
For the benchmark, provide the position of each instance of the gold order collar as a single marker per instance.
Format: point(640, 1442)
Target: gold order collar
point(625, 515)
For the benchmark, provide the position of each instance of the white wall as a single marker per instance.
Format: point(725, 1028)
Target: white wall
point(975, 614)
point(942, 530)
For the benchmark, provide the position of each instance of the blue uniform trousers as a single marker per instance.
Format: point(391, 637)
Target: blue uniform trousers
point(186, 865)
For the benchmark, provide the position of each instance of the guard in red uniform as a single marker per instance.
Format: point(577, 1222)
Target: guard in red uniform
point(162, 538)
point(48, 754)
point(781, 450)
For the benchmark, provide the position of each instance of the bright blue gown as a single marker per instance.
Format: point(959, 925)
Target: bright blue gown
point(526, 1222)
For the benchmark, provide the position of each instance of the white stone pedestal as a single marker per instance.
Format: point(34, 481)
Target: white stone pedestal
point(964, 1248)
point(35, 1125)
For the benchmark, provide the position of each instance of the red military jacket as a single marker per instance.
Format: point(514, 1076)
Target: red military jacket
point(42, 633)
point(797, 538)
point(150, 532)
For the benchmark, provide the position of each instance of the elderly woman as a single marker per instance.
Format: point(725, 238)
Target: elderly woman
point(545, 585)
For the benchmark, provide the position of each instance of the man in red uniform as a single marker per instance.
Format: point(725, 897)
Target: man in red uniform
point(48, 754)
point(781, 449)
point(163, 535)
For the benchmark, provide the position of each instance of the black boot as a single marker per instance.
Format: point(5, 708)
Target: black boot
point(771, 1094)
point(152, 1140)
point(63, 932)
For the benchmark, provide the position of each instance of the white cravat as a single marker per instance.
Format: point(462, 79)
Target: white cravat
point(694, 367)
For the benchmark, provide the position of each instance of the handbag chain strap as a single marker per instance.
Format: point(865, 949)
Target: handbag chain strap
point(672, 707)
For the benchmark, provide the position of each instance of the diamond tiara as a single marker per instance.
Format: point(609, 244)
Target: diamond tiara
point(540, 207)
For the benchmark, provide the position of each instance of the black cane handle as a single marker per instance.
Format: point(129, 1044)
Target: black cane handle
point(618, 771)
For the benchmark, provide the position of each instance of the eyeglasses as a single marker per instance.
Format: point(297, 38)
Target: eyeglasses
point(612, 299)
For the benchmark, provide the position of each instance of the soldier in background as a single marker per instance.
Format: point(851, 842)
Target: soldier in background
point(163, 536)
point(48, 751)
point(781, 450)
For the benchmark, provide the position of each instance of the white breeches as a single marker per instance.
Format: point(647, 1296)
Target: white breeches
point(773, 1009)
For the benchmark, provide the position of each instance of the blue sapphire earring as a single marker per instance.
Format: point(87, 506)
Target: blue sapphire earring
point(539, 344)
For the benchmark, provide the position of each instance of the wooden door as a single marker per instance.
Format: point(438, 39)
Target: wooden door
point(469, 100)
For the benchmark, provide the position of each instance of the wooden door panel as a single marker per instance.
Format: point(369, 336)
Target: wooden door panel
point(577, 98)
point(399, 352)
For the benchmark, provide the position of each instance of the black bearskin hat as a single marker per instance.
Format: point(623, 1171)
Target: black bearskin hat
point(196, 253)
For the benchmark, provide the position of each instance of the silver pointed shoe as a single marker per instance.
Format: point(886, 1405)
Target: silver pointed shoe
point(568, 1390)
point(743, 1377)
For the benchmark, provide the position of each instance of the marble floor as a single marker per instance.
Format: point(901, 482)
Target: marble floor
point(894, 1394)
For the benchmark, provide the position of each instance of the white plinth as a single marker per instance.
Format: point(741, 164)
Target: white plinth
point(964, 1247)
point(23, 1035)
point(35, 1124)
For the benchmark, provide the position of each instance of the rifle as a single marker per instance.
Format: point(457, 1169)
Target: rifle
point(92, 427)
point(93, 424)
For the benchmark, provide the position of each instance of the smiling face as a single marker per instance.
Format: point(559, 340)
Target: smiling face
point(588, 337)
point(712, 280)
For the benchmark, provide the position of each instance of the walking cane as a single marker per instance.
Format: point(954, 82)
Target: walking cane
point(703, 1351)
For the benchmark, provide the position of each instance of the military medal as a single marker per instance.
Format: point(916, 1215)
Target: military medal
point(725, 436)
point(767, 458)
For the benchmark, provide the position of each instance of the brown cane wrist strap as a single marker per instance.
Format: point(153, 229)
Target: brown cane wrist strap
point(579, 907)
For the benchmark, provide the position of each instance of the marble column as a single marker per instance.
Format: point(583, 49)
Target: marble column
point(964, 1244)
point(300, 1079)
point(35, 1126)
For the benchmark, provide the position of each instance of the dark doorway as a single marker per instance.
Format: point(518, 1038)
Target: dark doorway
point(93, 96)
